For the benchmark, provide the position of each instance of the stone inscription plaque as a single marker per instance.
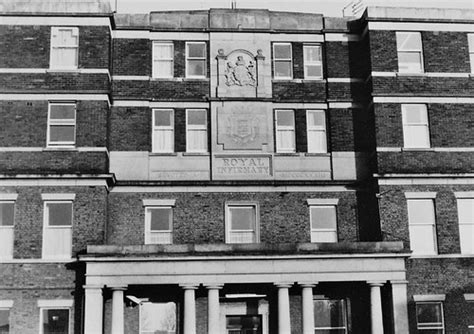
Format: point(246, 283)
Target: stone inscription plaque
point(247, 167)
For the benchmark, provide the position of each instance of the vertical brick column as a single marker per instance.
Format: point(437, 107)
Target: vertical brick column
point(284, 326)
point(93, 309)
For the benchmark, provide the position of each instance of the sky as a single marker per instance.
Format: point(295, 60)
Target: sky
point(326, 7)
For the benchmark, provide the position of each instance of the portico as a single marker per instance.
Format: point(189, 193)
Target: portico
point(300, 269)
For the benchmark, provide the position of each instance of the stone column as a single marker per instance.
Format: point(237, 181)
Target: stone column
point(284, 326)
point(399, 305)
point(117, 309)
point(189, 308)
point(93, 309)
point(213, 310)
point(307, 307)
point(376, 307)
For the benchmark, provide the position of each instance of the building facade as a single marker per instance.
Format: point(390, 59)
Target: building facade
point(235, 171)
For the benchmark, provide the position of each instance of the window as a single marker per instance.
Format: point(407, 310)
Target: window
point(469, 297)
point(158, 318)
point(323, 219)
point(471, 50)
point(55, 316)
point(163, 55)
point(57, 231)
point(242, 223)
point(330, 316)
point(285, 131)
point(5, 306)
point(421, 224)
point(415, 126)
point(429, 317)
point(465, 203)
point(61, 124)
point(282, 63)
point(163, 130)
point(64, 48)
point(248, 324)
point(316, 127)
point(158, 221)
point(313, 65)
point(409, 52)
point(196, 130)
point(196, 60)
point(7, 218)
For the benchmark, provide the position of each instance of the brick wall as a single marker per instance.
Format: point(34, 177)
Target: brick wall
point(422, 86)
point(337, 59)
point(162, 90)
point(383, 51)
point(130, 129)
point(131, 57)
point(199, 217)
point(445, 51)
point(292, 91)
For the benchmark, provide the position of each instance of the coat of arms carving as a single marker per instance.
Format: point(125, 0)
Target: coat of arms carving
point(240, 70)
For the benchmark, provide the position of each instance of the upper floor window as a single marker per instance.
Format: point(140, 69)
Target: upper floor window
point(282, 61)
point(316, 128)
point(415, 126)
point(409, 52)
point(471, 50)
point(313, 65)
point(163, 56)
point(323, 219)
point(429, 317)
point(465, 203)
point(421, 224)
point(159, 221)
point(57, 227)
point(196, 57)
point(61, 124)
point(7, 218)
point(242, 223)
point(196, 130)
point(285, 131)
point(163, 130)
point(64, 48)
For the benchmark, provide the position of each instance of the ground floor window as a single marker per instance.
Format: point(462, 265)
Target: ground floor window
point(158, 318)
point(429, 317)
point(4, 320)
point(55, 321)
point(243, 324)
point(330, 316)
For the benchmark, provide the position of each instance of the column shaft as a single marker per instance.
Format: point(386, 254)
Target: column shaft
point(400, 305)
point(93, 310)
point(117, 310)
point(284, 326)
point(376, 307)
point(307, 308)
point(213, 309)
point(189, 309)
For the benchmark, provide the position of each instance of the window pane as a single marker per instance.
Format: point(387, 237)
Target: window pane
point(55, 321)
point(197, 50)
point(283, 69)
point(317, 142)
point(67, 37)
point(61, 133)
point(329, 313)
point(466, 234)
point(416, 136)
point(196, 67)
point(421, 211)
point(285, 141)
point(312, 53)
point(282, 51)
point(163, 68)
point(163, 117)
point(408, 41)
point(466, 210)
point(422, 239)
point(6, 214)
point(415, 114)
point(163, 51)
point(196, 141)
point(64, 57)
point(316, 118)
point(242, 218)
point(314, 71)
point(409, 62)
point(323, 217)
point(160, 219)
point(4, 321)
point(285, 118)
point(429, 313)
point(470, 38)
point(60, 214)
point(62, 111)
point(197, 117)
point(158, 318)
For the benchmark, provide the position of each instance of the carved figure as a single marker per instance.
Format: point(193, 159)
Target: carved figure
point(237, 73)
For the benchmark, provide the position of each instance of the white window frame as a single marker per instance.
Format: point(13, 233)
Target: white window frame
point(55, 304)
point(466, 228)
point(422, 124)
point(47, 229)
point(243, 204)
point(429, 326)
point(7, 232)
point(285, 128)
point(412, 226)
point(322, 203)
point(55, 31)
point(345, 306)
point(167, 128)
point(204, 58)
point(318, 129)
point(196, 128)
point(410, 51)
point(65, 122)
point(471, 50)
point(158, 237)
point(290, 60)
point(156, 62)
point(307, 63)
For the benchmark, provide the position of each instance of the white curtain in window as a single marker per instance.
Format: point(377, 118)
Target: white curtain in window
point(163, 140)
point(57, 242)
point(421, 219)
point(6, 242)
point(466, 224)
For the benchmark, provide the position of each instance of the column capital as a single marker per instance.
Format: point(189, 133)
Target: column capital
point(91, 287)
point(376, 283)
point(308, 284)
point(189, 286)
point(117, 287)
point(211, 286)
point(405, 282)
point(283, 284)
